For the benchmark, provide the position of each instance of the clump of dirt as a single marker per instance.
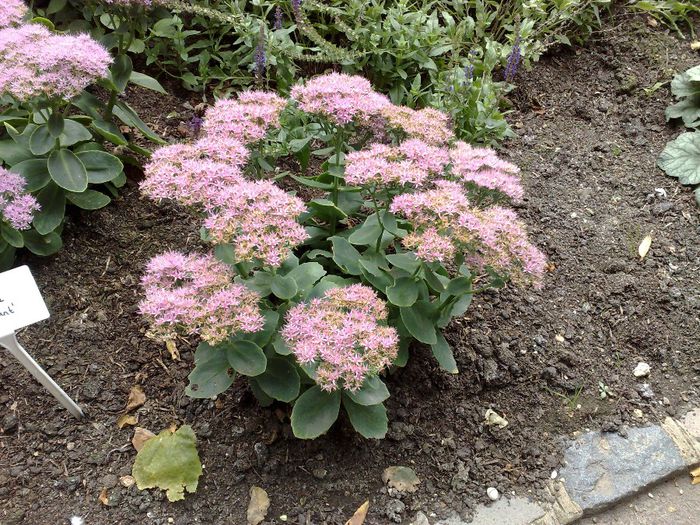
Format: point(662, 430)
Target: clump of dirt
point(551, 361)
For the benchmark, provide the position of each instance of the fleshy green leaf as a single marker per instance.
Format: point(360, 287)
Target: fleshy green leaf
point(373, 392)
point(100, 166)
point(41, 141)
point(315, 412)
point(245, 357)
point(370, 421)
point(42, 245)
point(35, 172)
point(346, 256)
point(67, 171)
point(280, 381)
point(169, 462)
point(284, 287)
point(147, 82)
point(11, 236)
point(443, 354)
point(212, 372)
point(306, 276)
point(89, 199)
point(681, 158)
point(404, 292)
point(418, 321)
point(52, 200)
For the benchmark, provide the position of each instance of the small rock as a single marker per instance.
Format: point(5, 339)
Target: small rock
point(492, 418)
point(109, 481)
point(261, 453)
point(70, 446)
point(394, 509)
point(403, 479)
point(645, 391)
point(642, 369)
point(320, 473)
point(492, 493)
point(9, 424)
point(638, 413)
point(420, 519)
point(553, 475)
point(661, 208)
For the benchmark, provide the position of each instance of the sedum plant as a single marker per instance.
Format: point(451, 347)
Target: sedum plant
point(58, 137)
point(319, 280)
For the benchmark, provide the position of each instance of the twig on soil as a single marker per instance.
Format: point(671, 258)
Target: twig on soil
point(123, 448)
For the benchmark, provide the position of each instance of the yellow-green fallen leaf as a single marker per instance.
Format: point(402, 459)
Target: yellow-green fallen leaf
point(169, 462)
point(360, 515)
point(644, 246)
point(258, 506)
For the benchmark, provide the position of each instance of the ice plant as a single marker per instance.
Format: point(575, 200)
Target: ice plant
point(194, 174)
point(12, 12)
point(344, 333)
point(193, 294)
point(35, 62)
point(340, 98)
point(259, 219)
point(16, 206)
point(428, 124)
point(482, 167)
point(246, 119)
point(446, 224)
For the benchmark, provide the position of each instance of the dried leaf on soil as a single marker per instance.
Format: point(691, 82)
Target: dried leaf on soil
point(172, 348)
point(644, 246)
point(104, 499)
point(136, 398)
point(403, 479)
point(360, 514)
point(126, 419)
point(695, 473)
point(170, 462)
point(141, 435)
point(492, 418)
point(258, 506)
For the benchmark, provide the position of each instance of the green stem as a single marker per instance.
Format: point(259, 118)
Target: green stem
point(379, 220)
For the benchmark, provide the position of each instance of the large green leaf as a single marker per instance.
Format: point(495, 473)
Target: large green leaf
point(306, 276)
point(35, 172)
point(443, 354)
point(418, 320)
point(315, 412)
point(52, 200)
point(67, 170)
point(74, 132)
point(212, 372)
point(147, 82)
point(12, 153)
point(369, 420)
point(681, 158)
point(284, 287)
point(121, 71)
point(89, 199)
point(346, 256)
point(687, 109)
point(43, 245)
point(128, 116)
point(169, 462)
point(373, 392)
point(245, 357)
point(280, 381)
point(41, 141)
point(11, 236)
point(100, 166)
point(110, 131)
point(404, 292)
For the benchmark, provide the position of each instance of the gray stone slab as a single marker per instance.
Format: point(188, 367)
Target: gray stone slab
point(602, 469)
point(505, 511)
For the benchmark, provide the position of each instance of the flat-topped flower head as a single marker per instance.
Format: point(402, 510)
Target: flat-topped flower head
point(445, 224)
point(483, 167)
point(16, 206)
point(194, 174)
point(259, 219)
point(247, 118)
point(344, 334)
point(12, 12)
point(193, 294)
point(429, 125)
point(340, 98)
point(412, 163)
point(35, 62)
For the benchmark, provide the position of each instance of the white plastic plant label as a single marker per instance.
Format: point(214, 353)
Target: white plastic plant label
point(21, 303)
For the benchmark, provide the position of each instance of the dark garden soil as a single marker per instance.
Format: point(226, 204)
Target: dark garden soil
point(588, 136)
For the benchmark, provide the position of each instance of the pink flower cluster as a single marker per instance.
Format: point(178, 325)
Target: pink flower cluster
point(194, 174)
point(340, 98)
point(429, 125)
point(246, 119)
point(12, 12)
point(258, 219)
point(194, 294)
point(16, 206)
point(345, 334)
point(481, 166)
point(35, 62)
point(413, 162)
point(445, 223)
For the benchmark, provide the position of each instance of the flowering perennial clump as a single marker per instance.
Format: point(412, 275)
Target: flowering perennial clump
point(16, 206)
point(345, 334)
point(246, 119)
point(258, 219)
point(445, 223)
point(12, 12)
point(340, 98)
point(481, 166)
point(35, 62)
point(194, 294)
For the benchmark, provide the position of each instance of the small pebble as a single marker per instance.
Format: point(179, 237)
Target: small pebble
point(554, 474)
point(642, 369)
point(492, 493)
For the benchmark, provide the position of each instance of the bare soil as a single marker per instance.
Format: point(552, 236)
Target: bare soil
point(589, 129)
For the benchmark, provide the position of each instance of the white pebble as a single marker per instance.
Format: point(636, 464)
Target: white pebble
point(642, 369)
point(554, 474)
point(492, 493)
point(76, 520)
